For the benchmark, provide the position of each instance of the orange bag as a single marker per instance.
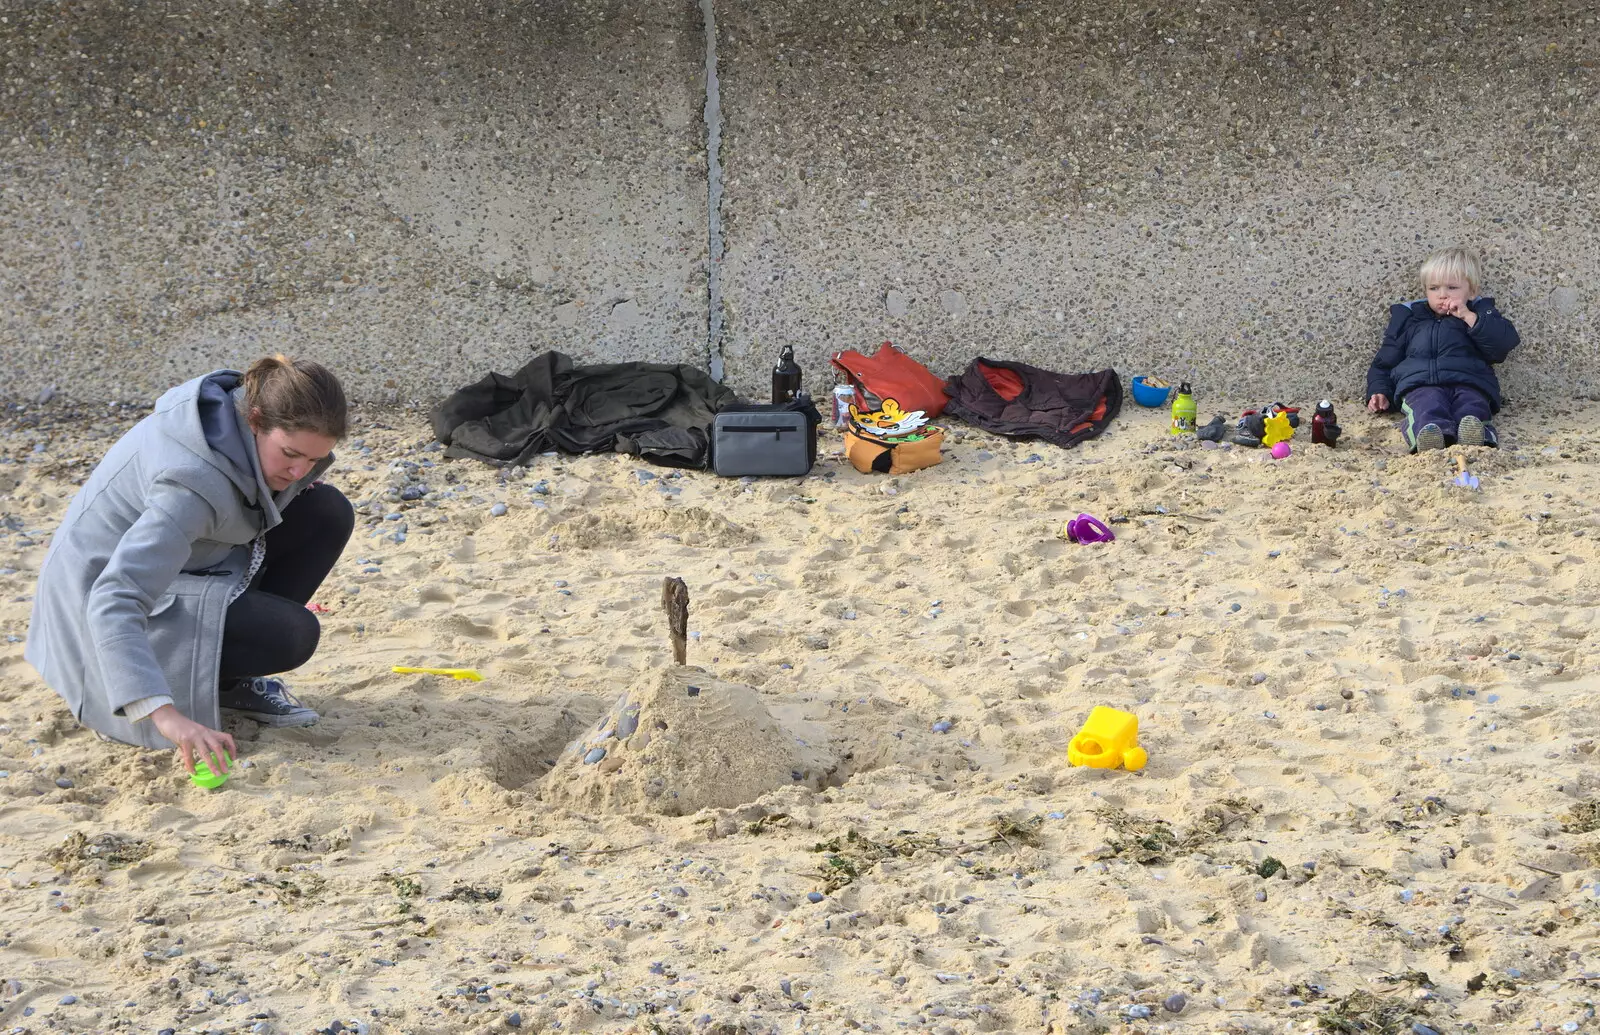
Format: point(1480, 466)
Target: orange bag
point(886, 456)
point(891, 374)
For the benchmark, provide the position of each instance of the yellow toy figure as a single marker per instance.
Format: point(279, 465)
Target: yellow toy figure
point(888, 421)
point(1108, 739)
point(1276, 429)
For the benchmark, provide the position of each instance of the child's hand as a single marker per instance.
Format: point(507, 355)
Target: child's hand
point(1459, 310)
point(1378, 403)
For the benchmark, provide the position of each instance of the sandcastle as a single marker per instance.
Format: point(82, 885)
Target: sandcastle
point(678, 741)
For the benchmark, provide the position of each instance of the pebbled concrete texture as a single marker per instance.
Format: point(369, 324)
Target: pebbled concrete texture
point(417, 194)
point(411, 192)
point(1232, 194)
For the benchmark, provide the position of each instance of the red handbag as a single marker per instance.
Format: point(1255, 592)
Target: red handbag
point(891, 374)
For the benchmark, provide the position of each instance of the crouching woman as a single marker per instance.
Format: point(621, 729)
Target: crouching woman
point(179, 578)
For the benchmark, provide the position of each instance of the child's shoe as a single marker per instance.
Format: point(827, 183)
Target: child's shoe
point(1430, 437)
point(1249, 430)
point(1471, 431)
point(1213, 432)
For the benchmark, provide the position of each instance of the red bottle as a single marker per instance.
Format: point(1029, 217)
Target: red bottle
point(1324, 425)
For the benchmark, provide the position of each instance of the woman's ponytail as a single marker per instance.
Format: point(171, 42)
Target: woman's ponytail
point(295, 395)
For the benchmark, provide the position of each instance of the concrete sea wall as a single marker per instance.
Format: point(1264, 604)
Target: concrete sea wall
point(412, 192)
point(1228, 192)
point(418, 193)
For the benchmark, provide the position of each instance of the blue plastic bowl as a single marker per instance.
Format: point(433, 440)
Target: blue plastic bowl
point(1149, 395)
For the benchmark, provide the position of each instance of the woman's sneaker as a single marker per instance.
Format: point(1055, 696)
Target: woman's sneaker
point(1430, 437)
point(1471, 431)
point(267, 701)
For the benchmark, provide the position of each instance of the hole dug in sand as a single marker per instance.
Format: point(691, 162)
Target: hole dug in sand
point(680, 741)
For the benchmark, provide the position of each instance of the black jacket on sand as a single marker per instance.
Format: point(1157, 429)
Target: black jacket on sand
point(660, 412)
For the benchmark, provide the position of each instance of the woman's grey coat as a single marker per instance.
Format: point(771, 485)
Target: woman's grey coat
point(136, 584)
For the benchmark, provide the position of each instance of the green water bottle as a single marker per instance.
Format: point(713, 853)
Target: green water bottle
point(1183, 411)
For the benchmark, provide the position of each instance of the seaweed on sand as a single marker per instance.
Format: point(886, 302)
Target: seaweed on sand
point(1362, 1013)
point(847, 858)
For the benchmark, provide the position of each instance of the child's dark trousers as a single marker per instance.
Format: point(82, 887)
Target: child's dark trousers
point(1444, 406)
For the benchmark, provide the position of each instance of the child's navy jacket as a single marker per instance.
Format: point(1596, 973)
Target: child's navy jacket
point(1420, 347)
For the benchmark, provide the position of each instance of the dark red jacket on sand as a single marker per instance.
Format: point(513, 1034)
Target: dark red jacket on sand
point(1022, 401)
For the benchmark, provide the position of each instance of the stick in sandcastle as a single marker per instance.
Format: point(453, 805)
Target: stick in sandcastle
point(675, 602)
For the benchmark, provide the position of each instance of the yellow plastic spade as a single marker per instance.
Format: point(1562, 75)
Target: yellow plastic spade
point(454, 673)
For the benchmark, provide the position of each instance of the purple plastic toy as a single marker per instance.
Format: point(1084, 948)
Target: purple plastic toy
point(1085, 528)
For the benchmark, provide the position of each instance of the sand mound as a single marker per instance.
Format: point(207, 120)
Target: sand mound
point(690, 526)
point(680, 741)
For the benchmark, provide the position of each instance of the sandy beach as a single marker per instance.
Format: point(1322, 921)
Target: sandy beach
point(1366, 693)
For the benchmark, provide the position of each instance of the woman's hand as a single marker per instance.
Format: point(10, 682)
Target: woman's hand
point(1378, 403)
point(194, 740)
